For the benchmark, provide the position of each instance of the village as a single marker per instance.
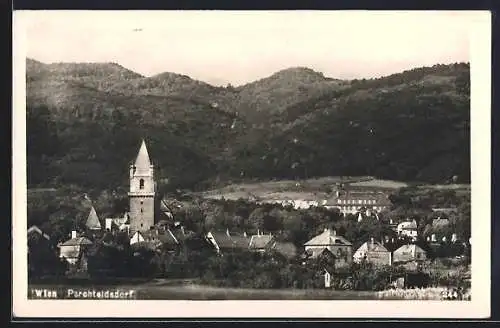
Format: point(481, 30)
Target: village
point(153, 232)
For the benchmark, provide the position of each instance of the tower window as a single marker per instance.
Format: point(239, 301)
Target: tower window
point(142, 210)
point(141, 184)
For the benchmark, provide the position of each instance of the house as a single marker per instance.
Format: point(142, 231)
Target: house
point(226, 241)
point(366, 214)
point(38, 240)
point(408, 229)
point(156, 239)
point(260, 243)
point(329, 240)
point(351, 202)
point(35, 232)
point(409, 252)
point(119, 223)
point(93, 222)
point(373, 252)
point(137, 237)
point(72, 250)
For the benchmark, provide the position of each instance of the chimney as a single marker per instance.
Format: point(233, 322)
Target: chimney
point(73, 234)
point(244, 234)
point(372, 241)
point(390, 221)
point(325, 230)
point(258, 232)
point(454, 237)
point(227, 232)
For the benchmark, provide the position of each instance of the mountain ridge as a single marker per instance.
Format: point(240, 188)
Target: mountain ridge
point(294, 123)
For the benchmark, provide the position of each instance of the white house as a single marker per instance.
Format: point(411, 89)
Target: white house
point(408, 229)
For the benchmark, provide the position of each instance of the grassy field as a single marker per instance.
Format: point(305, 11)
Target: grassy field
point(313, 189)
point(171, 289)
point(165, 290)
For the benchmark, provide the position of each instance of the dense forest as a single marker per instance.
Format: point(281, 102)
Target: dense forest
point(85, 123)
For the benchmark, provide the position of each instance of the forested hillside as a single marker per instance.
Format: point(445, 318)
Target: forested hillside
point(86, 121)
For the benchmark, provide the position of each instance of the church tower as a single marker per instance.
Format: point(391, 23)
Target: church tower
point(142, 192)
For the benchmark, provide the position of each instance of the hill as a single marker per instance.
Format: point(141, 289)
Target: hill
point(86, 136)
point(408, 126)
point(260, 100)
point(86, 121)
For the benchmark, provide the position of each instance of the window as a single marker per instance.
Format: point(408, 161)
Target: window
point(141, 225)
point(359, 201)
point(142, 202)
point(142, 210)
point(141, 184)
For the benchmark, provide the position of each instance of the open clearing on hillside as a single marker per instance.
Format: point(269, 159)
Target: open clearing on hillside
point(319, 188)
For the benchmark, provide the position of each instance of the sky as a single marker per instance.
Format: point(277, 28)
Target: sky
point(239, 47)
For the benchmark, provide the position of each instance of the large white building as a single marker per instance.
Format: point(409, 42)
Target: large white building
point(351, 202)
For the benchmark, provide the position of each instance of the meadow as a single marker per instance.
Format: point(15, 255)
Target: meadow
point(317, 188)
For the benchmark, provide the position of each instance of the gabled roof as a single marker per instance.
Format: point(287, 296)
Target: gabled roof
point(35, 229)
point(233, 241)
point(260, 241)
point(181, 235)
point(78, 241)
point(408, 225)
point(93, 220)
point(327, 238)
point(151, 245)
point(410, 248)
point(372, 247)
point(165, 237)
point(142, 162)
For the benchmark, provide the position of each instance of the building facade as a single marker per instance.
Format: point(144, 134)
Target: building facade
point(335, 244)
point(142, 192)
point(373, 252)
point(409, 252)
point(351, 202)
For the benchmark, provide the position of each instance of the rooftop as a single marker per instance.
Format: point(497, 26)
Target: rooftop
point(326, 238)
point(78, 241)
point(260, 241)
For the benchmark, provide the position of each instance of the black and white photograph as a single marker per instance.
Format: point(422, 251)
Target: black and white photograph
point(284, 156)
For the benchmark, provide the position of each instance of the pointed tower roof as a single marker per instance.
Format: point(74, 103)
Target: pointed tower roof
point(142, 161)
point(93, 220)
